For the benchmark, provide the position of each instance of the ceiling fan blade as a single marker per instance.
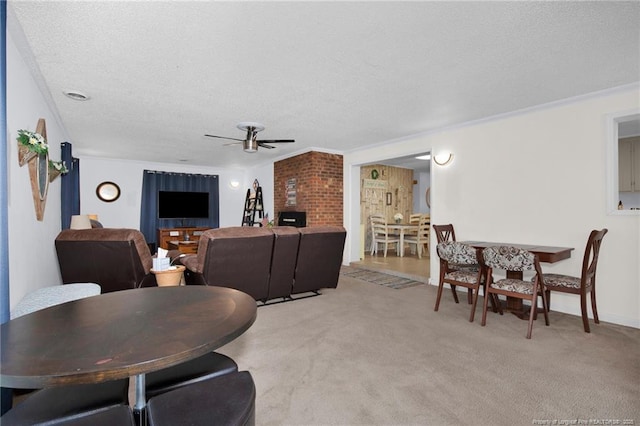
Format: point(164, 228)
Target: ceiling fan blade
point(263, 145)
point(276, 141)
point(224, 137)
point(231, 143)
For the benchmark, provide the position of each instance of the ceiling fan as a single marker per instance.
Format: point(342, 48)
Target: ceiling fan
point(251, 143)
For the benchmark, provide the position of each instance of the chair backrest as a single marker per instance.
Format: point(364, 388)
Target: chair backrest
point(591, 254)
point(237, 257)
point(379, 226)
point(457, 253)
point(424, 226)
point(510, 259)
point(414, 218)
point(444, 233)
point(283, 260)
point(116, 259)
point(319, 258)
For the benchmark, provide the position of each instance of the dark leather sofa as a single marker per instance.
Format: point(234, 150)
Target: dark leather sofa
point(268, 263)
point(117, 259)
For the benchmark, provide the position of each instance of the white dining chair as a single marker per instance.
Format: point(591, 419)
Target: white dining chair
point(421, 238)
point(380, 235)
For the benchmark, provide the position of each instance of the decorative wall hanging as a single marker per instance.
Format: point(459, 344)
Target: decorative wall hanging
point(39, 170)
point(34, 151)
point(291, 193)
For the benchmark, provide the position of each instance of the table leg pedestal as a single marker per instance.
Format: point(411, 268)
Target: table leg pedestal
point(139, 408)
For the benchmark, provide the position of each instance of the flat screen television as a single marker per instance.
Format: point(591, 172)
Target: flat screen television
point(183, 205)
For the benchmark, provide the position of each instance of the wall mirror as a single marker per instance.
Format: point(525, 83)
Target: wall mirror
point(108, 191)
point(623, 162)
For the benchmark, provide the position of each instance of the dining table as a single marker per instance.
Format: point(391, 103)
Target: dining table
point(402, 228)
point(545, 254)
point(120, 334)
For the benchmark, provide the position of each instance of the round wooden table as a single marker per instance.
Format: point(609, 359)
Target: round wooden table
point(120, 334)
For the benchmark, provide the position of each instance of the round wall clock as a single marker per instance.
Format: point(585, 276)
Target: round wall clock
point(108, 191)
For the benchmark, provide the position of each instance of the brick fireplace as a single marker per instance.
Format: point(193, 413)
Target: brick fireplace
point(311, 183)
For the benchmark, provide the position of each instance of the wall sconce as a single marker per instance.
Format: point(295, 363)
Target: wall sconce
point(443, 158)
point(234, 184)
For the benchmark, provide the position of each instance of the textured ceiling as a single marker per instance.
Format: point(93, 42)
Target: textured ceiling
point(331, 75)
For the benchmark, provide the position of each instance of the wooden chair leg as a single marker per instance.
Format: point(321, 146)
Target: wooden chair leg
point(545, 308)
point(585, 315)
point(497, 302)
point(548, 293)
point(440, 287)
point(531, 315)
point(484, 308)
point(455, 295)
point(593, 306)
point(475, 302)
point(469, 296)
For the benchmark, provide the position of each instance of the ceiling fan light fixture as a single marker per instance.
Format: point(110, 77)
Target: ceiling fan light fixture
point(250, 146)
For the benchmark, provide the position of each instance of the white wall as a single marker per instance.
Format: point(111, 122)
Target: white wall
point(32, 260)
point(538, 177)
point(125, 212)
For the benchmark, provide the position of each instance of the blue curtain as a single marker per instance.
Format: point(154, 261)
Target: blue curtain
point(154, 181)
point(70, 193)
point(7, 394)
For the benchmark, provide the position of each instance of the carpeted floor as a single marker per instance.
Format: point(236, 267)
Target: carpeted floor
point(366, 354)
point(379, 278)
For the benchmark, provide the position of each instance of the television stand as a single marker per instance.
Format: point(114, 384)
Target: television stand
point(180, 234)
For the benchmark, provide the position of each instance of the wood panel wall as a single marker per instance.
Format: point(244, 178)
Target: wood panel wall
point(396, 181)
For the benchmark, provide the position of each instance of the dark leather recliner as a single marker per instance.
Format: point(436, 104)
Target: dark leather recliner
point(319, 258)
point(235, 257)
point(283, 261)
point(116, 259)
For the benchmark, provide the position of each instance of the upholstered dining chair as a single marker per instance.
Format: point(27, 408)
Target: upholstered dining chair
point(420, 238)
point(514, 259)
point(444, 233)
point(582, 285)
point(456, 253)
point(447, 233)
point(380, 235)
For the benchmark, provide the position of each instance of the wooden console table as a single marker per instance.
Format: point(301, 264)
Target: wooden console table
point(187, 247)
point(189, 234)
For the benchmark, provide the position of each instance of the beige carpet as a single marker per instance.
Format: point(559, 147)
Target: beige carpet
point(370, 355)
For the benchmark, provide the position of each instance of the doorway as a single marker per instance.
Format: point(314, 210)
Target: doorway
point(409, 266)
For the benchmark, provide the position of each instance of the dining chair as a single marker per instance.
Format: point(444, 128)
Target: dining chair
point(457, 253)
point(582, 285)
point(514, 259)
point(444, 233)
point(447, 233)
point(380, 235)
point(421, 237)
point(414, 218)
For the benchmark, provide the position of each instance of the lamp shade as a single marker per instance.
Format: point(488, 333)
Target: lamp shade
point(80, 221)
